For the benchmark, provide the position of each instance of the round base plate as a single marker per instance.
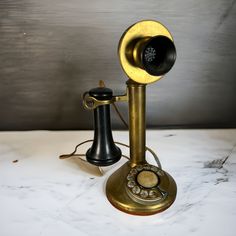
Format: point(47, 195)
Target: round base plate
point(116, 192)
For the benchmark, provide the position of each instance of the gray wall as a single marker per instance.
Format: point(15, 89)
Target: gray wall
point(51, 51)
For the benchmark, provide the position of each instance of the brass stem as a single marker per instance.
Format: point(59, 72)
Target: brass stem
point(137, 122)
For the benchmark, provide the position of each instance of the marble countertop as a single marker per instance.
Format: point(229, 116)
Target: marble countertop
point(41, 195)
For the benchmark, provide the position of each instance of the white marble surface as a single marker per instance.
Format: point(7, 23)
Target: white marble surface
point(42, 195)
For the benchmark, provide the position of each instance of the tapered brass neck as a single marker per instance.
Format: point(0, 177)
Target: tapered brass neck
point(137, 121)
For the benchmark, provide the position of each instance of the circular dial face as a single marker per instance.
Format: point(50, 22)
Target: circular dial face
point(140, 30)
point(143, 183)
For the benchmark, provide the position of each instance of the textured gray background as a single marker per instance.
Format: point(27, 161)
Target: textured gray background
point(51, 51)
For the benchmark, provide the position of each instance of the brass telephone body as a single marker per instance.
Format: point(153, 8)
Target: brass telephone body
point(147, 52)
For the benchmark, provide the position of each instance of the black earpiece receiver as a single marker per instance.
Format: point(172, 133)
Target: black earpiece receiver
point(103, 152)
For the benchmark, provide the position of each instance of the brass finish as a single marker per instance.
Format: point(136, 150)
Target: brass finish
point(91, 103)
point(137, 124)
point(137, 187)
point(147, 179)
point(117, 194)
point(116, 187)
point(129, 45)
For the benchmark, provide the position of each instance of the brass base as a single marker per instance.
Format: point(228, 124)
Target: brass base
point(116, 191)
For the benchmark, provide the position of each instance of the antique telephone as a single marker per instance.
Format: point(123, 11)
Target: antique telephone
point(146, 52)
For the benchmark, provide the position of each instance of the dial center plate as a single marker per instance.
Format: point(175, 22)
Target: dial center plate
point(147, 179)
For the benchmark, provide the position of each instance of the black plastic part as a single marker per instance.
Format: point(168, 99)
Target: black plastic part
point(158, 55)
point(103, 152)
point(101, 93)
